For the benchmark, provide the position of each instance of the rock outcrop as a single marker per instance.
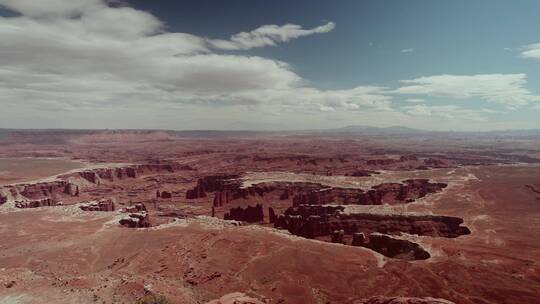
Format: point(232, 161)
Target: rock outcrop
point(380, 162)
point(110, 174)
point(213, 183)
point(166, 195)
point(362, 173)
point(45, 202)
point(222, 198)
point(196, 192)
point(405, 158)
point(47, 189)
point(386, 193)
point(271, 215)
point(249, 214)
point(139, 207)
point(105, 205)
point(391, 247)
point(435, 163)
point(316, 221)
point(136, 220)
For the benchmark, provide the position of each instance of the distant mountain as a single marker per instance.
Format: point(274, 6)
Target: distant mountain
point(387, 130)
point(399, 130)
point(348, 131)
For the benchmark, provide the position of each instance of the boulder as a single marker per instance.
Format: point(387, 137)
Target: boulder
point(136, 220)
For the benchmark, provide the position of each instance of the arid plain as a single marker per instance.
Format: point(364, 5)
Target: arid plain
point(261, 217)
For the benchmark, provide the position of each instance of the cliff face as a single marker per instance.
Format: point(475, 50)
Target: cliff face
point(315, 221)
point(391, 247)
point(228, 188)
point(102, 205)
point(46, 202)
point(213, 183)
point(249, 214)
point(386, 193)
point(48, 193)
point(110, 174)
point(47, 189)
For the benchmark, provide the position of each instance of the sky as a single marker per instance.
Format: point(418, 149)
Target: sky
point(269, 65)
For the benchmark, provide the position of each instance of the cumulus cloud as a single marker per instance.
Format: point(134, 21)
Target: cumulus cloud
point(531, 51)
point(49, 8)
point(268, 35)
point(90, 60)
point(507, 89)
point(83, 52)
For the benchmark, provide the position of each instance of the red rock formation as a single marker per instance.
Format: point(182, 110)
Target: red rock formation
point(391, 247)
point(103, 205)
point(315, 221)
point(389, 193)
point(380, 162)
point(286, 194)
point(136, 220)
point(222, 197)
point(111, 174)
point(45, 202)
point(271, 215)
point(166, 195)
point(249, 214)
point(402, 300)
point(360, 173)
point(3, 199)
point(197, 192)
point(48, 189)
point(337, 236)
point(434, 162)
point(405, 158)
point(140, 207)
point(213, 183)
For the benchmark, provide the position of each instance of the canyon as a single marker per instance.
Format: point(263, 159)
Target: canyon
point(270, 219)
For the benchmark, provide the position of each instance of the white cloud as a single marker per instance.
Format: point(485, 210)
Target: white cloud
point(531, 51)
point(507, 89)
point(49, 8)
point(79, 63)
point(414, 100)
point(450, 112)
point(268, 35)
point(410, 50)
point(78, 57)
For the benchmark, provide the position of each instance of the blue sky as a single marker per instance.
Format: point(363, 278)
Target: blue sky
point(443, 65)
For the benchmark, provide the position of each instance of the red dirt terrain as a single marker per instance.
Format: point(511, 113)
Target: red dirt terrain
point(199, 217)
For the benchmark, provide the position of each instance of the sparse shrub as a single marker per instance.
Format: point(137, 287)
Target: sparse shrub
point(153, 299)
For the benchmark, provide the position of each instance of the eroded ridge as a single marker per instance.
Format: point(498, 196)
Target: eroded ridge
point(330, 223)
point(53, 192)
point(228, 188)
point(315, 221)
